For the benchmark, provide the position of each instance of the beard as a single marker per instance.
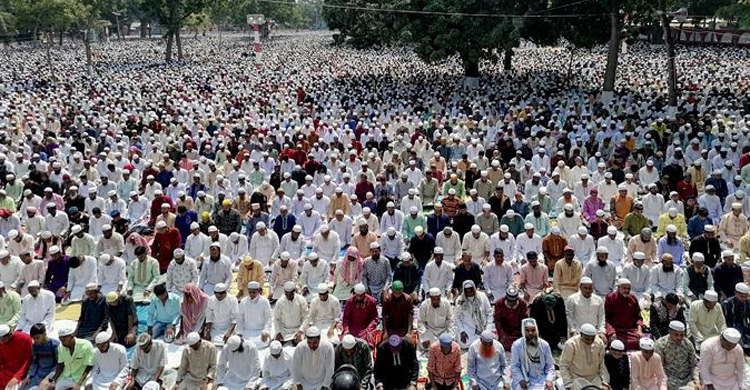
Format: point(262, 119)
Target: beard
point(487, 352)
point(602, 263)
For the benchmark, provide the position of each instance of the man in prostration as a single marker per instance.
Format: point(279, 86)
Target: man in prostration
point(198, 364)
point(239, 366)
point(706, 318)
point(110, 364)
point(485, 363)
point(508, 315)
point(531, 364)
point(472, 314)
point(646, 371)
point(435, 317)
point(722, 361)
point(582, 360)
point(289, 315)
point(313, 362)
point(584, 307)
point(622, 314)
point(678, 357)
point(15, 356)
point(277, 368)
point(254, 316)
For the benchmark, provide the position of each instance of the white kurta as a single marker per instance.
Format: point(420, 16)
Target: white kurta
point(263, 247)
point(434, 321)
point(640, 278)
point(39, 309)
point(79, 277)
point(109, 367)
point(277, 371)
point(467, 322)
point(110, 277)
point(323, 314)
point(313, 369)
point(238, 370)
point(311, 276)
point(221, 314)
point(253, 319)
point(9, 273)
point(289, 316)
point(440, 276)
point(581, 310)
point(721, 368)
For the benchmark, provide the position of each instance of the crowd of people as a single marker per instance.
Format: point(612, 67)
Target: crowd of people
point(344, 219)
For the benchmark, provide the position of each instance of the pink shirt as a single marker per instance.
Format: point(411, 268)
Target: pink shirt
point(533, 279)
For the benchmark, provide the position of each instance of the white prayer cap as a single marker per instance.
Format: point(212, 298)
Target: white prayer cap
point(639, 256)
point(741, 288)
point(727, 253)
point(504, 228)
point(75, 229)
point(671, 228)
point(588, 330)
point(391, 231)
point(312, 332)
point(487, 336)
point(438, 250)
point(602, 250)
point(710, 296)
point(102, 337)
point(66, 328)
point(528, 226)
point(646, 344)
point(4, 330)
point(297, 228)
point(213, 228)
point(359, 289)
point(91, 286)
point(623, 281)
point(308, 206)
point(731, 335)
point(374, 245)
point(161, 225)
point(677, 326)
point(475, 229)
point(4, 253)
point(434, 292)
point(348, 342)
point(324, 229)
point(54, 249)
point(275, 347)
point(611, 230)
point(14, 233)
point(192, 338)
point(555, 230)
point(568, 207)
point(194, 226)
point(215, 245)
point(586, 280)
point(220, 287)
point(322, 288)
point(285, 255)
point(583, 230)
point(418, 230)
point(617, 345)
point(151, 385)
point(33, 284)
point(289, 286)
point(253, 285)
point(260, 225)
point(413, 210)
point(312, 256)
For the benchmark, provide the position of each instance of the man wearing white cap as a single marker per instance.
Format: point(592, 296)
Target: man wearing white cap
point(37, 307)
point(198, 364)
point(477, 243)
point(342, 225)
point(277, 369)
point(10, 306)
point(16, 353)
point(239, 365)
point(678, 357)
point(314, 272)
point(324, 312)
point(264, 244)
point(294, 243)
point(737, 310)
point(622, 314)
point(217, 268)
point(485, 363)
point(310, 220)
point(527, 242)
point(10, 268)
point(83, 270)
point(584, 307)
point(221, 315)
point(326, 244)
point(111, 242)
point(639, 275)
point(451, 244)
point(582, 360)
point(722, 362)
point(471, 314)
point(75, 358)
point(602, 272)
point(19, 242)
point(110, 363)
point(733, 226)
point(289, 315)
point(583, 244)
point(235, 247)
point(653, 204)
point(313, 362)
point(391, 218)
point(254, 316)
point(706, 317)
point(197, 244)
point(435, 317)
point(282, 271)
point(615, 246)
point(81, 243)
point(497, 276)
point(355, 352)
point(181, 271)
point(646, 370)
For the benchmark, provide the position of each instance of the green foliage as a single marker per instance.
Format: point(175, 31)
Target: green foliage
point(739, 11)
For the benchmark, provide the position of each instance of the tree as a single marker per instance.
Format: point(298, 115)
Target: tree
point(46, 17)
point(739, 11)
point(172, 15)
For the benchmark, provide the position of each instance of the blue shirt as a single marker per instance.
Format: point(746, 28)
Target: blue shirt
point(696, 225)
point(182, 223)
point(676, 250)
point(43, 360)
point(167, 312)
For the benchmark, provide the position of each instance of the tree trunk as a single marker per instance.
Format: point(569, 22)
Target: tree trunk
point(614, 47)
point(471, 68)
point(36, 36)
point(87, 45)
point(508, 59)
point(169, 46)
point(144, 29)
point(49, 51)
point(671, 72)
point(60, 38)
point(179, 44)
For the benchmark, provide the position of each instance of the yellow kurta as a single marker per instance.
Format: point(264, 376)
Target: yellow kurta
point(583, 363)
point(567, 277)
point(732, 227)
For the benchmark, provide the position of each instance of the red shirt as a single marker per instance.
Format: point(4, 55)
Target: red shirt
point(163, 246)
point(15, 358)
point(686, 190)
point(358, 320)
